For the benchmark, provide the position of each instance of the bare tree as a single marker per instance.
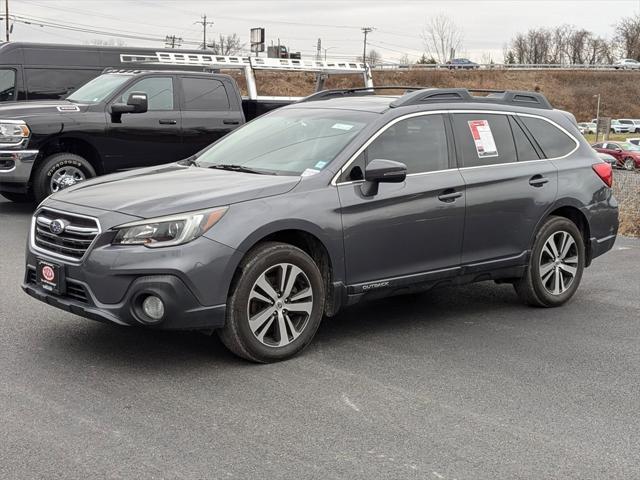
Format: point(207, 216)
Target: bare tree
point(112, 42)
point(441, 36)
point(405, 60)
point(628, 36)
point(373, 58)
point(226, 45)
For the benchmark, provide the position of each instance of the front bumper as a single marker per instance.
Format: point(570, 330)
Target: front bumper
point(15, 169)
point(110, 282)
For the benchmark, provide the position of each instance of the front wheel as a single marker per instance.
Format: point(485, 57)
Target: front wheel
point(58, 172)
point(555, 266)
point(276, 304)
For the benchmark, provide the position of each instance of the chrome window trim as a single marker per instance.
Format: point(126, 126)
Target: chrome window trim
point(334, 180)
point(58, 256)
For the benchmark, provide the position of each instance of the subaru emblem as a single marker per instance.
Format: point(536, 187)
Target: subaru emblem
point(57, 226)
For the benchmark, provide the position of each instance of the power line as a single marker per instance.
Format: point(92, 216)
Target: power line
point(171, 41)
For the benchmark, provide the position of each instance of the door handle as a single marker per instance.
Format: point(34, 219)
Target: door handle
point(538, 181)
point(449, 195)
point(231, 122)
point(167, 122)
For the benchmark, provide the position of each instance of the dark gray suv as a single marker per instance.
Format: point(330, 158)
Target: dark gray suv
point(319, 205)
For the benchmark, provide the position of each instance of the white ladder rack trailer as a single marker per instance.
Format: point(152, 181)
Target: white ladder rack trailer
point(250, 64)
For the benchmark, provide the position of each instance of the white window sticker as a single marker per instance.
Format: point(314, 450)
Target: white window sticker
point(342, 126)
point(308, 172)
point(483, 138)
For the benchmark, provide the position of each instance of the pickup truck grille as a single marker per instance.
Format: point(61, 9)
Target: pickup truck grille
point(73, 242)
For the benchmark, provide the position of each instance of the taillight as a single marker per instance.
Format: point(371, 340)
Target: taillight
point(605, 172)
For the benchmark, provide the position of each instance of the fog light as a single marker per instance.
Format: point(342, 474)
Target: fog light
point(153, 307)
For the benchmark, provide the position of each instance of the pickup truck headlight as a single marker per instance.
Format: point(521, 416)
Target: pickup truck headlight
point(13, 131)
point(168, 231)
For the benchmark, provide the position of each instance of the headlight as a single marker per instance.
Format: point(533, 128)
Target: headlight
point(168, 231)
point(13, 131)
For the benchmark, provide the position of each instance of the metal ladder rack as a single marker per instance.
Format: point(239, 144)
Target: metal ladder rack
point(250, 64)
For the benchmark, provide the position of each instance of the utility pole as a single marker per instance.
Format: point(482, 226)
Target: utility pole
point(204, 24)
point(171, 41)
point(319, 49)
point(6, 17)
point(366, 31)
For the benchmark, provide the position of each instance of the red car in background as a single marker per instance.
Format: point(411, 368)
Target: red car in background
point(627, 155)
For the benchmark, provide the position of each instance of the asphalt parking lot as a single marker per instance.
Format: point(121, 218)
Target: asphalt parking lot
point(451, 384)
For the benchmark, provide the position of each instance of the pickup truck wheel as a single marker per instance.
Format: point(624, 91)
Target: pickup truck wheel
point(17, 197)
point(555, 265)
point(276, 304)
point(58, 172)
point(629, 163)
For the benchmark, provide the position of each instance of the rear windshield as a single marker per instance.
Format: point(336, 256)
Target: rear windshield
point(294, 141)
point(98, 89)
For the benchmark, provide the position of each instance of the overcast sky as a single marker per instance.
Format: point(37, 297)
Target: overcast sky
point(487, 25)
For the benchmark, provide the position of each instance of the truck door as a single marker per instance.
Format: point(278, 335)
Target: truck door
point(146, 139)
point(209, 112)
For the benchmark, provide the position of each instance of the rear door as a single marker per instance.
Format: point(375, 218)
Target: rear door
point(509, 186)
point(408, 232)
point(150, 138)
point(209, 111)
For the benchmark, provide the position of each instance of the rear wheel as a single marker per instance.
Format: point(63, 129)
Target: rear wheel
point(58, 172)
point(629, 163)
point(276, 305)
point(555, 266)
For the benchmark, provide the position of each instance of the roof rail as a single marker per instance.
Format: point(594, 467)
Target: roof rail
point(463, 95)
point(354, 92)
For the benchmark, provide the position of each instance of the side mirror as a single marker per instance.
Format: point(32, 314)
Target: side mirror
point(136, 103)
point(380, 170)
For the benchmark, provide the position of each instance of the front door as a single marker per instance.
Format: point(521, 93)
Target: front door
point(408, 232)
point(150, 138)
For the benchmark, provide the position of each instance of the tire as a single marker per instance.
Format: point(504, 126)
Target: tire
point(17, 197)
point(60, 163)
point(535, 291)
point(629, 164)
point(263, 266)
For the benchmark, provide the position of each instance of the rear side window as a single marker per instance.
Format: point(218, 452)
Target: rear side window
point(553, 141)
point(204, 94)
point(525, 149)
point(483, 139)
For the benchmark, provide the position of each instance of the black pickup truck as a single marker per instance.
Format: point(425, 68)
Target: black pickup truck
point(117, 121)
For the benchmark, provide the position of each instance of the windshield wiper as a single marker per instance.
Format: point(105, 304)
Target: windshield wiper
point(239, 168)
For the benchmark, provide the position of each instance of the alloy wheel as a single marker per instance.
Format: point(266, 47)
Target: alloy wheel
point(280, 305)
point(558, 262)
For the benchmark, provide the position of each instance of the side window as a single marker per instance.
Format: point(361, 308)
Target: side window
point(418, 142)
point(553, 141)
point(51, 83)
point(204, 94)
point(159, 90)
point(598, 145)
point(7, 84)
point(483, 139)
point(524, 148)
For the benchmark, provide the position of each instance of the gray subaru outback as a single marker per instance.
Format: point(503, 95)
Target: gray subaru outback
point(316, 206)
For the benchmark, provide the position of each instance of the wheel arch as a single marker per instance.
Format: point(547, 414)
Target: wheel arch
point(311, 240)
point(76, 145)
point(572, 211)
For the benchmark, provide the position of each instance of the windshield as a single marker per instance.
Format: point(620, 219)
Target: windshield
point(630, 147)
point(98, 89)
point(296, 141)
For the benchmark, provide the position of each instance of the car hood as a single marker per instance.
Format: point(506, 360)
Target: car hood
point(173, 188)
point(19, 110)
